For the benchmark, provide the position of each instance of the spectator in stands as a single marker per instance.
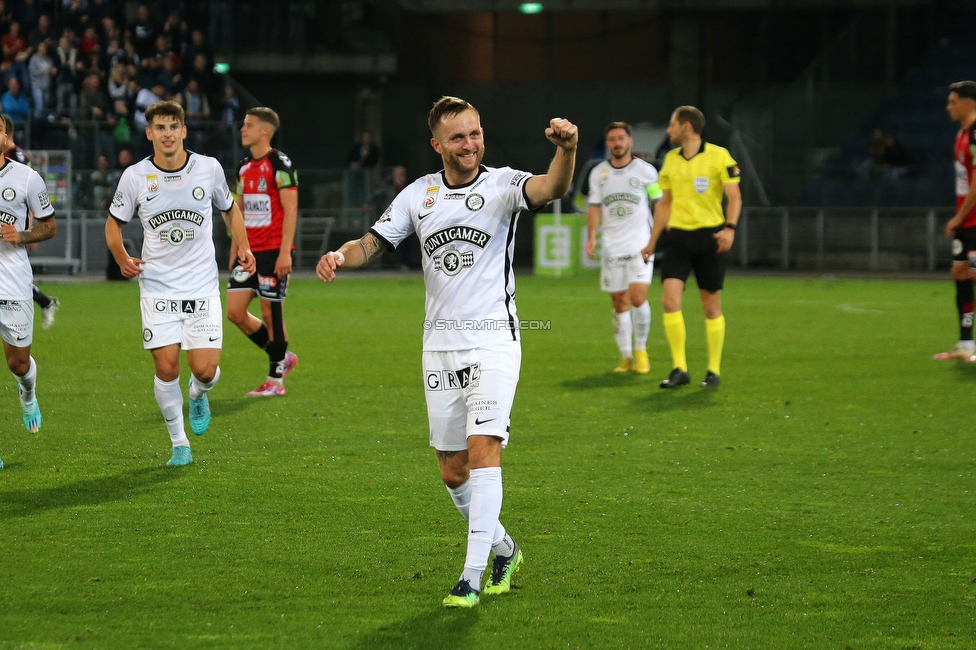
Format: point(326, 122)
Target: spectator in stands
point(92, 101)
point(89, 41)
point(887, 157)
point(170, 77)
point(118, 84)
point(110, 31)
point(66, 61)
point(195, 47)
point(15, 105)
point(15, 55)
point(196, 105)
point(100, 184)
point(29, 14)
point(42, 72)
point(175, 31)
point(365, 154)
point(203, 74)
point(75, 17)
point(144, 32)
point(122, 131)
point(125, 159)
point(99, 10)
point(230, 108)
point(42, 33)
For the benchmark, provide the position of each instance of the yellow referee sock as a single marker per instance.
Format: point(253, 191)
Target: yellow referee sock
point(674, 329)
point(715, 335)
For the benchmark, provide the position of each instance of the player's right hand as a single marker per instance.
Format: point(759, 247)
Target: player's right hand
point(326, 268)
point(648, 251)
point(132, 267)
point(590, 248)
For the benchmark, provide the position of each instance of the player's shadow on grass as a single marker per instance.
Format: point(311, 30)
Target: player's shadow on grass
point(439, 628)
point(685, 398)
point(606, 380)
point(104, 489)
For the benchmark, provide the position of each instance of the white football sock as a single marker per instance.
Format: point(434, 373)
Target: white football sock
point(198, 388)
point(485, 506)
point(27, 382)
point(501, 543)
point(622, 330)
point(170, 400)
point(642, 325)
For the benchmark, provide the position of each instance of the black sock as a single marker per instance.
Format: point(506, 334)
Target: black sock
point(276, 354)
point(260, 337)
point(41, 299)
point(964, 303)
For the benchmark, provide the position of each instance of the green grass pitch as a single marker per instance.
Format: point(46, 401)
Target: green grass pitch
point(821, 498)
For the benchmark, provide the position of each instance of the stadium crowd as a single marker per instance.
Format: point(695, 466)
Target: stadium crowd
point(74, 67)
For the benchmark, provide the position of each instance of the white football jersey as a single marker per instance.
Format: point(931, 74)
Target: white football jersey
point(176, 211)
point(22, 191)
point(467, 236)
point(624, 204)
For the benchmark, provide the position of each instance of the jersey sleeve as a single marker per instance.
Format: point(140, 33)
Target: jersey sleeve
point(664, 178)
point(239, 188)
point(124, 202)
point(730, 171)
point(652, 186)
point(972, 147)
point(596, 190)
point(37, 198)
point(511, 187)
point(285, 173)
point(221, 196)
point(396, 224)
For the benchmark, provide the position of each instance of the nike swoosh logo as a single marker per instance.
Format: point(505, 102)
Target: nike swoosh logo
point(419, 217)
point(479, 531)
point(21, 338)
point(173, 419)
point(214, 338)
point(150, 198)
point(477, 421)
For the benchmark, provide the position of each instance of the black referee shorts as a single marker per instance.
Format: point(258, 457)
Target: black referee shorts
point(963, 242)
point(694, 250)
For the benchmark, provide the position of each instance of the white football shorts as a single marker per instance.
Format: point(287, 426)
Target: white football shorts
point(470, 393)
point(193, 324)
point(17, 322)
point(617, 272)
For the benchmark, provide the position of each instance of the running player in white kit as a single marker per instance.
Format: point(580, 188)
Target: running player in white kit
point(465, 216)
point(172, 192)
point(22, 192)
point(621, 192)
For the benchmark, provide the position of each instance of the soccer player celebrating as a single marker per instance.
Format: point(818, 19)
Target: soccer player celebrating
point(621, 191)
point(22, 192)
point(962, 227)
point(693, 178)
point(173, 192)
point(465, 216)
point(267, 194)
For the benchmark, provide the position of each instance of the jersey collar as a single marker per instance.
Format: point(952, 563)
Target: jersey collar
point(171, 171)
point(481, 170)
point(681, 152)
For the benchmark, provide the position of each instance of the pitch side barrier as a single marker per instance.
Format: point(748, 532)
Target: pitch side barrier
point(788, 238)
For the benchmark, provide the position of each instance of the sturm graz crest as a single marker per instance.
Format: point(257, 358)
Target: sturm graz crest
point(198, 193)
point(474, 202)
point(176, 235)
point(451, 260)
point(9, 194)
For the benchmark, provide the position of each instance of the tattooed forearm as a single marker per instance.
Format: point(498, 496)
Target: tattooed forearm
point(41, 231)
point(370, 247)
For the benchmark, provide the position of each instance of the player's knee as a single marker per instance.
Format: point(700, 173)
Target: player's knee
point(454, 477)
point(961, 272)
point(237, 315)
point(18, 366)
point(205, 375)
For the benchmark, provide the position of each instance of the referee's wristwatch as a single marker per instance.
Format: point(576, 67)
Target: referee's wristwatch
point(730, 226)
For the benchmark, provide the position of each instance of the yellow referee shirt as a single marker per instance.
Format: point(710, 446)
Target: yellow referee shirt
point(697, 185)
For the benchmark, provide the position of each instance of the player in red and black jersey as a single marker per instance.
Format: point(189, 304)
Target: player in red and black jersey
point(962, 227)
point(267, 194)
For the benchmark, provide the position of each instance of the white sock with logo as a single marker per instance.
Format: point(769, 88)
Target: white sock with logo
point(642, 325)
point(622, 331)
point(169, 396)
point(501, 543)
point(198, 388)
point(27, 382)
point(483, 511)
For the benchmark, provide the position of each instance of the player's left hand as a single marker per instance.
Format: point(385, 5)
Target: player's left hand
point(562, 133)
point(283, 265)
point(10, 233)
point(246, 259)
point(724, 237)
point(950, 229)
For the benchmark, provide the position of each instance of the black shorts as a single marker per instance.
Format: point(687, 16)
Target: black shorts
point(264, 283)
point(964, 243)
point(694, 250)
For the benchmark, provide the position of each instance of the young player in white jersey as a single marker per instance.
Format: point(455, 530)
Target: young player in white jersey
point(22, 192)
point(621, 192)
point(172, 192)
point(465, 217)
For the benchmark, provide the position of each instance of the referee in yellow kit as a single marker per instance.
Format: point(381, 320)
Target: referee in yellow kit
point(694, 177)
